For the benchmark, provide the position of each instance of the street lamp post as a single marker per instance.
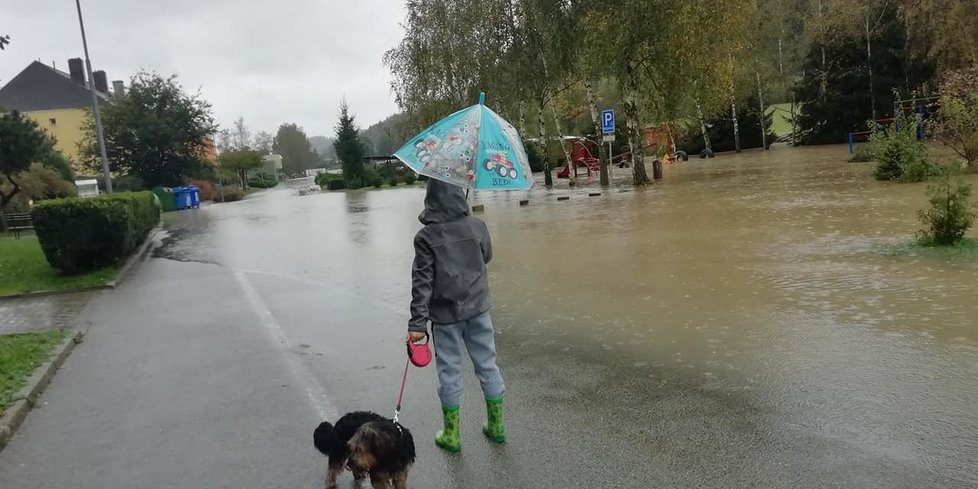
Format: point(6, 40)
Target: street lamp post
point(95, 108)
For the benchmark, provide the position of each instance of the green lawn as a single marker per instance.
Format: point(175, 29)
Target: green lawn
point(781, 118)
point(23, 268)
point(964, 252)
point(20, 355)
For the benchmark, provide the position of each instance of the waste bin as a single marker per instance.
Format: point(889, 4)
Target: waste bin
point(183, 198)
point(167, 198)
point(194, 196)
point(657, 170)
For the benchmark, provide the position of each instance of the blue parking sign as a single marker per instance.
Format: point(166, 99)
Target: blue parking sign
point(608, 121)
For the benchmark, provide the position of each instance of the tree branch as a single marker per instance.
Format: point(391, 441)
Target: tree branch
point(6, 198)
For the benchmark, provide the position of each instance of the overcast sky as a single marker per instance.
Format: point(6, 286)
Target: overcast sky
point(270, 61)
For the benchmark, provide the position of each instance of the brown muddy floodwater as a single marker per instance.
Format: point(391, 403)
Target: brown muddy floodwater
point(755, 320)
point(767, 280)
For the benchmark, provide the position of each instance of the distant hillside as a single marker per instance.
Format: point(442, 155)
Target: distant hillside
point(324, 146)
point(386, 136)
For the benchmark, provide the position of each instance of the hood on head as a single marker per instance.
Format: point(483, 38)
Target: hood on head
point(443, 202)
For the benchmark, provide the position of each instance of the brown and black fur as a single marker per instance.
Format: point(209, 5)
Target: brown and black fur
point(368, 444)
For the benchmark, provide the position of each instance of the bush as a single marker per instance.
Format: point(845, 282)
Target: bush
point(128, 183)
point(38, 183)
point(262, 182)
point(336, 184)
point(951, 212)
point(354, 183)
point(323, 179)
point(372, 177)
point(410, 178)
point(206, 189)
point(59, 163)
point(898, 153)
point(233, 194)
point(79, 235)
point(957, 121)
point(863, 154)
point(392, 182)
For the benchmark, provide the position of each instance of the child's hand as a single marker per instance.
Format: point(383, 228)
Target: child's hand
point(414, 336)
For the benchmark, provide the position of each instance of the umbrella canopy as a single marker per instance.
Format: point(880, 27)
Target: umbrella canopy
point(473, 148)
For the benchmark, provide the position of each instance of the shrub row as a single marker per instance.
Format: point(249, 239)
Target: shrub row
point(262, 182)
point(80, 235)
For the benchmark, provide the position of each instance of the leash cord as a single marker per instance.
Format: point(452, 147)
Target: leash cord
point(397, 410)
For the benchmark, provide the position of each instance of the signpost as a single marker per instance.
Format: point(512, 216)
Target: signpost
point(608, 128)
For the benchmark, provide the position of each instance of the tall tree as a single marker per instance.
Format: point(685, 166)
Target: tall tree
point(240, 135)
point(847, 103)
point(154, 131)
point(263, 142)
point(349, 148)
point(22, 142)
point(945, 31)
point(297, 155)
point(239, 162)
point(654, 66)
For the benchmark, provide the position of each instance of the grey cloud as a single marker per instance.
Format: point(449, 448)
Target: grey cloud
point(269, 61)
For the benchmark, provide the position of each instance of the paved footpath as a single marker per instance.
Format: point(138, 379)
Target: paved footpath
point(43, 313)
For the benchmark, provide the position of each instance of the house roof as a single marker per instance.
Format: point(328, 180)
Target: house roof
point(41, 87)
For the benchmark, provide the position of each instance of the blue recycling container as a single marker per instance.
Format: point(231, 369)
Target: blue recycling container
point(183, 197)
point(194, 196)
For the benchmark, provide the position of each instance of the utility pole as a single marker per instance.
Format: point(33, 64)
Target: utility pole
point(95, 108)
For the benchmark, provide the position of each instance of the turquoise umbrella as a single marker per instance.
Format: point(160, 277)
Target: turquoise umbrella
point(473, 148)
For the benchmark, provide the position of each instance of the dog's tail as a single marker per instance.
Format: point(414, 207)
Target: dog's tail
point(322, 438)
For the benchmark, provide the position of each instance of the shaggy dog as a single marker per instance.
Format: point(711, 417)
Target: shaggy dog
point(366, 443)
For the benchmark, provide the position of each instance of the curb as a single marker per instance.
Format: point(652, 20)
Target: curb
point(36, 383)
point(140, 253)
point(123, 270)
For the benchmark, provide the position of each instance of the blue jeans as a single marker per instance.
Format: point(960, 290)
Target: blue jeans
point(479, 339)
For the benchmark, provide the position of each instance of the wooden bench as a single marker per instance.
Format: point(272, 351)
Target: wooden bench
point(17, 223)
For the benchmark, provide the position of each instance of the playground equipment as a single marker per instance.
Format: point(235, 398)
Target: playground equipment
point(923, 106)
point(583, 152)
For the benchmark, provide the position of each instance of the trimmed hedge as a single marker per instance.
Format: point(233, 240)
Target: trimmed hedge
point(336, 184)
point(262, 183)
point(79, 235)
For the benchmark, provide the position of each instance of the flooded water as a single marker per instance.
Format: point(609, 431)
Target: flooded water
point(742, 323)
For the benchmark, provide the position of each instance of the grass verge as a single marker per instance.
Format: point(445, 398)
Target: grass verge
point(23, 268)
point(20, 355)
point(966, 251)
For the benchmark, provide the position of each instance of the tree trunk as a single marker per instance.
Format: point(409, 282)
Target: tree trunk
point(781, 54)
point(784, 84)
point(522, 121)
point(605, 162)
point(635, 141)
point(760, 100)
point(572, 166)
point(548, 179)
point(6, 198)
point(794, 123)
point(824, 74)
point(736, 123)
point(869, 65)
point(699, 115)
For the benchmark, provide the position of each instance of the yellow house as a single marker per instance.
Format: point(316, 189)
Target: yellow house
point(59, 102)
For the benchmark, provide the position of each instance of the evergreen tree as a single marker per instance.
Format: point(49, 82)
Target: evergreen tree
point(297, 155)
point(349, 148)
point(847, 105)
point(721, 130)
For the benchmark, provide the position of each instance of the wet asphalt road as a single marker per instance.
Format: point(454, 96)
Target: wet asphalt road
point(251, 321)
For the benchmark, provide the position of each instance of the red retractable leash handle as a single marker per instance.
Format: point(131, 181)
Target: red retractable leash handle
point(420, 355)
